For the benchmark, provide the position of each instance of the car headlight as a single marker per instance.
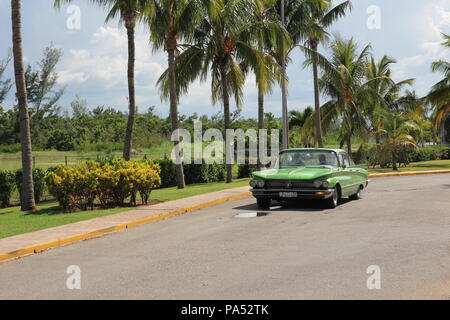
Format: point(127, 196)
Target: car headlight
point(253, 183)
point(317, 183)
point(325, 184)
point(260, 183)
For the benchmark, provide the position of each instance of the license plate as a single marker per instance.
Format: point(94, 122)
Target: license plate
point(288, 194)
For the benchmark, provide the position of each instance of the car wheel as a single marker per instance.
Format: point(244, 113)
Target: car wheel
point(357, 195)
point(333, 201)
point(263, 203)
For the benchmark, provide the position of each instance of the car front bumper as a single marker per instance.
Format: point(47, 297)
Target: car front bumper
point(301, 193)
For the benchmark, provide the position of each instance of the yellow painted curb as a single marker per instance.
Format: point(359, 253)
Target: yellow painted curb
point(98, 233)
point(412, 173)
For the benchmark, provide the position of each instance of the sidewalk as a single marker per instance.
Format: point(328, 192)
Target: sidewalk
point(34, 242)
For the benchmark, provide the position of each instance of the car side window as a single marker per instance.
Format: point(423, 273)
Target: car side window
point(344, 160)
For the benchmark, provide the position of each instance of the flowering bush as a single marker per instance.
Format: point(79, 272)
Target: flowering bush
point(110, 183)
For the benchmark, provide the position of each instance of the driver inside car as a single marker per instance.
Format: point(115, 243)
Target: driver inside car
point(297, 160)
point(322, 160)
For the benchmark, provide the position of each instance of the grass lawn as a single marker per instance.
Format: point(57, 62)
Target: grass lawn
point(13, 221)
point(417, 166)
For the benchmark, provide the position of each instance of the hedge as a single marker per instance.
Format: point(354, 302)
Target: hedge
point(111, 183)
point(7, 185)
point(193, 173)
point(38, 181)
point(12, 180)
point(405, 156)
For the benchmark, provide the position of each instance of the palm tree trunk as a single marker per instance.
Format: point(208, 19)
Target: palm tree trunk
point(349, 145)
point(227, 121)
point(27, 202)
point(131, 93)
point(318, 120)
point(394, 160)
point(260, 118)
point(171, 46)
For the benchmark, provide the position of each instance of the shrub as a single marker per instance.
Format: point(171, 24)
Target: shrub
point(10, 148)
point(168, 172)
point(193, 173)
point(7, 185)
point(245, 170)
point(38, 182)
point(203, 173)
point(112, 183)
point(405, 156)
point(61, 141)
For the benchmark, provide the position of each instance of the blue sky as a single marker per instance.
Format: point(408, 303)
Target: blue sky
point(95, 56)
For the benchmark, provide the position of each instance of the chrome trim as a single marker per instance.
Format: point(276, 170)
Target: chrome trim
point(291, 190)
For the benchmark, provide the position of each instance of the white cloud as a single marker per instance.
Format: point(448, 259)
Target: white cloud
point(106, 61)
point(433, 21)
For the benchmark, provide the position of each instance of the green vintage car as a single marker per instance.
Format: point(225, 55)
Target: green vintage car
point(325, 174)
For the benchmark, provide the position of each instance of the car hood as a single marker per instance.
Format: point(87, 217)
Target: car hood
point(300, 173)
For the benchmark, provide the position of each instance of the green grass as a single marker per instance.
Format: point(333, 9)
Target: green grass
point(417, 166)
point(46, 159)
point(49, 215)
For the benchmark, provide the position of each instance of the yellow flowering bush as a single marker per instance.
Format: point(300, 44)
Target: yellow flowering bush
point(111, 183)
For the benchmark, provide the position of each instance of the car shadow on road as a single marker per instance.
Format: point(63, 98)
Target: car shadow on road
point(304, 206)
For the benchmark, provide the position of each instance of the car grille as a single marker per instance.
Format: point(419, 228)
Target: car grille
point(283, 184)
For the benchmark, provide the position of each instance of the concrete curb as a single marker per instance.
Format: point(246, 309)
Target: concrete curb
point(411, 173)
point(101, 232)
point(98, 233)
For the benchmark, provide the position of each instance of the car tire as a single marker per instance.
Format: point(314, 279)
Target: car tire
point(357, 195)
point(263, 203)
point(333, 201)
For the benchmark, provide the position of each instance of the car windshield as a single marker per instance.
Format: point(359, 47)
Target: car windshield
point(308, 158)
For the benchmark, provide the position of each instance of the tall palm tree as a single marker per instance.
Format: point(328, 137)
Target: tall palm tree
point(169, 21)
point(225, 48)
point(293, 14)
point(344, 81)
point(319, 21)
point(27, 201)
point(439, 95)
point(129, 12)
point(266, 77)
point(386, 92)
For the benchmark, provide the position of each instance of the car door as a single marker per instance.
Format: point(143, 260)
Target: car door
point(355, 177)
point(345, 176)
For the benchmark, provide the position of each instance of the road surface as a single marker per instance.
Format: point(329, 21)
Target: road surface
point(401, 226)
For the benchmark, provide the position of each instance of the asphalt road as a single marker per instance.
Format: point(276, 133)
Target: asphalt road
point(402, 225)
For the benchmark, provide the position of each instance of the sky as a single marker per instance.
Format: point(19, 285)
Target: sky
point(94, 63)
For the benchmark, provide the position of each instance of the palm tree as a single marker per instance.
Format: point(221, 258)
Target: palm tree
point(299, 123)
point(294, 15)
point(27, 201)
point(129, 12)
point(266, 77)
point(386, 92)
point(344, 81)
point(397, 134)
point(225, 47)
point(439, 95)
point(320, 20)
point(170, 20)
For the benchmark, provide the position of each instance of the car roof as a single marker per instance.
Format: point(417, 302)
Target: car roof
point(315, 149)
